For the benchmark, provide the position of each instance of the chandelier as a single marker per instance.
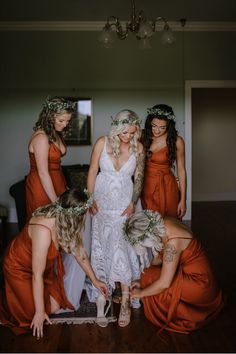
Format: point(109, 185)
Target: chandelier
point(142, 28)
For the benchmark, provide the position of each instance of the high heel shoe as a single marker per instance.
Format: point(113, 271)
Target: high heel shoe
point(125, 312)
point(102, 320)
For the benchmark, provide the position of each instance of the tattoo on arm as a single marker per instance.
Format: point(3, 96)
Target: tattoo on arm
point(169, 252)
point(138, 177)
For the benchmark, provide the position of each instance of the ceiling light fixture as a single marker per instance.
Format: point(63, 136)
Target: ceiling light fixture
point(138, 25)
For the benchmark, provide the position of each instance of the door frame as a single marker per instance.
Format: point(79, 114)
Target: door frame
point(189, 85)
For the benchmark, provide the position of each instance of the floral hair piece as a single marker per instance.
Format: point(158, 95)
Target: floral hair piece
point(154, 223)
point(150, 238)
point(59, 106)
point(78, 210)
point(125, 121)
point(160, 112)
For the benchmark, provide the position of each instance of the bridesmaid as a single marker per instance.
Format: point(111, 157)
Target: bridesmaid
point(45, 181)
point(162, 191)
point(179, 290)
point(33, 280)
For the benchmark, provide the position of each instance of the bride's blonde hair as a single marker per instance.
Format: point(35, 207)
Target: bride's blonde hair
point(123, 119)
point(69, 212)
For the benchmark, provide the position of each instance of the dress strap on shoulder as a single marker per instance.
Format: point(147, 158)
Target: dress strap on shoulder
point(105, 144)
point(43, 226)
point(184, 238)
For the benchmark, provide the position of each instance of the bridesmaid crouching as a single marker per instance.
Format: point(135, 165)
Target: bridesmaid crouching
point(179, 291)
point(33, 290)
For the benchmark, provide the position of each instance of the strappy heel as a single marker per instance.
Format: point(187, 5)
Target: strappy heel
point(101, 319)
point(125, 312)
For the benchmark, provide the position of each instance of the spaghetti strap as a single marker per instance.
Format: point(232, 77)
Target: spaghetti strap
point(184, 238)
point(43, 226)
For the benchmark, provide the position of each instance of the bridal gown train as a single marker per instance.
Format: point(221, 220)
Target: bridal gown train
point(112, 258)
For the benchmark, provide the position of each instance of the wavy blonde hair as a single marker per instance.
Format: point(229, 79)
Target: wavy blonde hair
point(122, 120)
point(143, 230)
point(68, 225)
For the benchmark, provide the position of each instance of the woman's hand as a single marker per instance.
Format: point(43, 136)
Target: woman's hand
point(102, 287)
point(181, 210)
point(94, 208)
point(136, 293)
point(129, 210)
point(37, 324)
point(135, 284)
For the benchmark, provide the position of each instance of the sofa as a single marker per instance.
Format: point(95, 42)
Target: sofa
point(75, 175)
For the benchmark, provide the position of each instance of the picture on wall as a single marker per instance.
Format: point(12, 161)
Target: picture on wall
point(80, 132)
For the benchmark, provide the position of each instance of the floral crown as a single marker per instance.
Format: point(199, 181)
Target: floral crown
point(79, 209)
point(160, 112)
point(155, 223)
point(125, 121)
point(59, 106)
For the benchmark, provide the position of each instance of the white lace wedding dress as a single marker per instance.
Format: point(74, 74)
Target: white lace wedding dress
point(112, 258)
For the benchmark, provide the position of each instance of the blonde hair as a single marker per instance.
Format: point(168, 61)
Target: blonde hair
point(69, 224)
point(145, 229)
point(122, 120)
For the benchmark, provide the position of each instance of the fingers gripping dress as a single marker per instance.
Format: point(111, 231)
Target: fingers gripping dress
point(112, 258)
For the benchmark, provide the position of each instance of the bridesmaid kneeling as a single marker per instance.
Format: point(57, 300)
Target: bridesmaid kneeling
point(178, 290)
point(33, 289)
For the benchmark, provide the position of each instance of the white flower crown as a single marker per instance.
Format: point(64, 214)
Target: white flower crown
point(160, 112)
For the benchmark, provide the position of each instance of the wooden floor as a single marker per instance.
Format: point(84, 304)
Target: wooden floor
point(215, 224)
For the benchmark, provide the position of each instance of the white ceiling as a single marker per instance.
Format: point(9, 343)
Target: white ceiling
point(99, 10)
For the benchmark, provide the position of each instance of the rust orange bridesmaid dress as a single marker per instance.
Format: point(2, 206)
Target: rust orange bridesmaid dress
point(192, 300)
point(160, 190)
point(17, 304)
point(35, 193)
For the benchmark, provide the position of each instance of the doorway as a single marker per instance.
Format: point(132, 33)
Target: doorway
point(210, 116)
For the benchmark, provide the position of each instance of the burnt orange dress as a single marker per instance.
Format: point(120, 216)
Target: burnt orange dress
point(192, 300)
point(35, 193)
point(17, 304)
point(160, 188)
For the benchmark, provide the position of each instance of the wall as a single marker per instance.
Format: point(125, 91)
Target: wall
point(36, 64)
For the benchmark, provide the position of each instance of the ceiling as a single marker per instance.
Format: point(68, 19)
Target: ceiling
point(99, 10)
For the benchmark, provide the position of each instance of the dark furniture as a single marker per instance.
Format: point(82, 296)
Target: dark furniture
point(75, 175)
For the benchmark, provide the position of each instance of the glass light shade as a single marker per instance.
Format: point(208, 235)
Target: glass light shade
point(167, 36)
point(107, 37)
point(145, 30)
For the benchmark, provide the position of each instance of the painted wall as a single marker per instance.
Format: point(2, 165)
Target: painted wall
point(36, 64)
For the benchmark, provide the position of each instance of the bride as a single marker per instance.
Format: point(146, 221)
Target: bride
point(120, 159)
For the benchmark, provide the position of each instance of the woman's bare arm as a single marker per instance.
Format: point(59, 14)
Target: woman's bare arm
point(40, 147)
point(171, 255)
point(41, 240)
point(181, 171)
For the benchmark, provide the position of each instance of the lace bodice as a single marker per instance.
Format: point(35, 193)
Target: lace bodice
point(114, 188)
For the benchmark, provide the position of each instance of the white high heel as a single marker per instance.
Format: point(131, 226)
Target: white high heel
point(102, 320)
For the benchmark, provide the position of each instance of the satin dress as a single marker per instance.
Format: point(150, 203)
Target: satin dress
point(17, 304)
point(35, 193)
point(192, 300)
point(160, 189)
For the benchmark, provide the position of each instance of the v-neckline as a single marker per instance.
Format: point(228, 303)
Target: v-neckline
point(105, 148)
point(121, 166)
point(156, 151)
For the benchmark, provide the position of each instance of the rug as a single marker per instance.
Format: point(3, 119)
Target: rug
point(87, 313)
